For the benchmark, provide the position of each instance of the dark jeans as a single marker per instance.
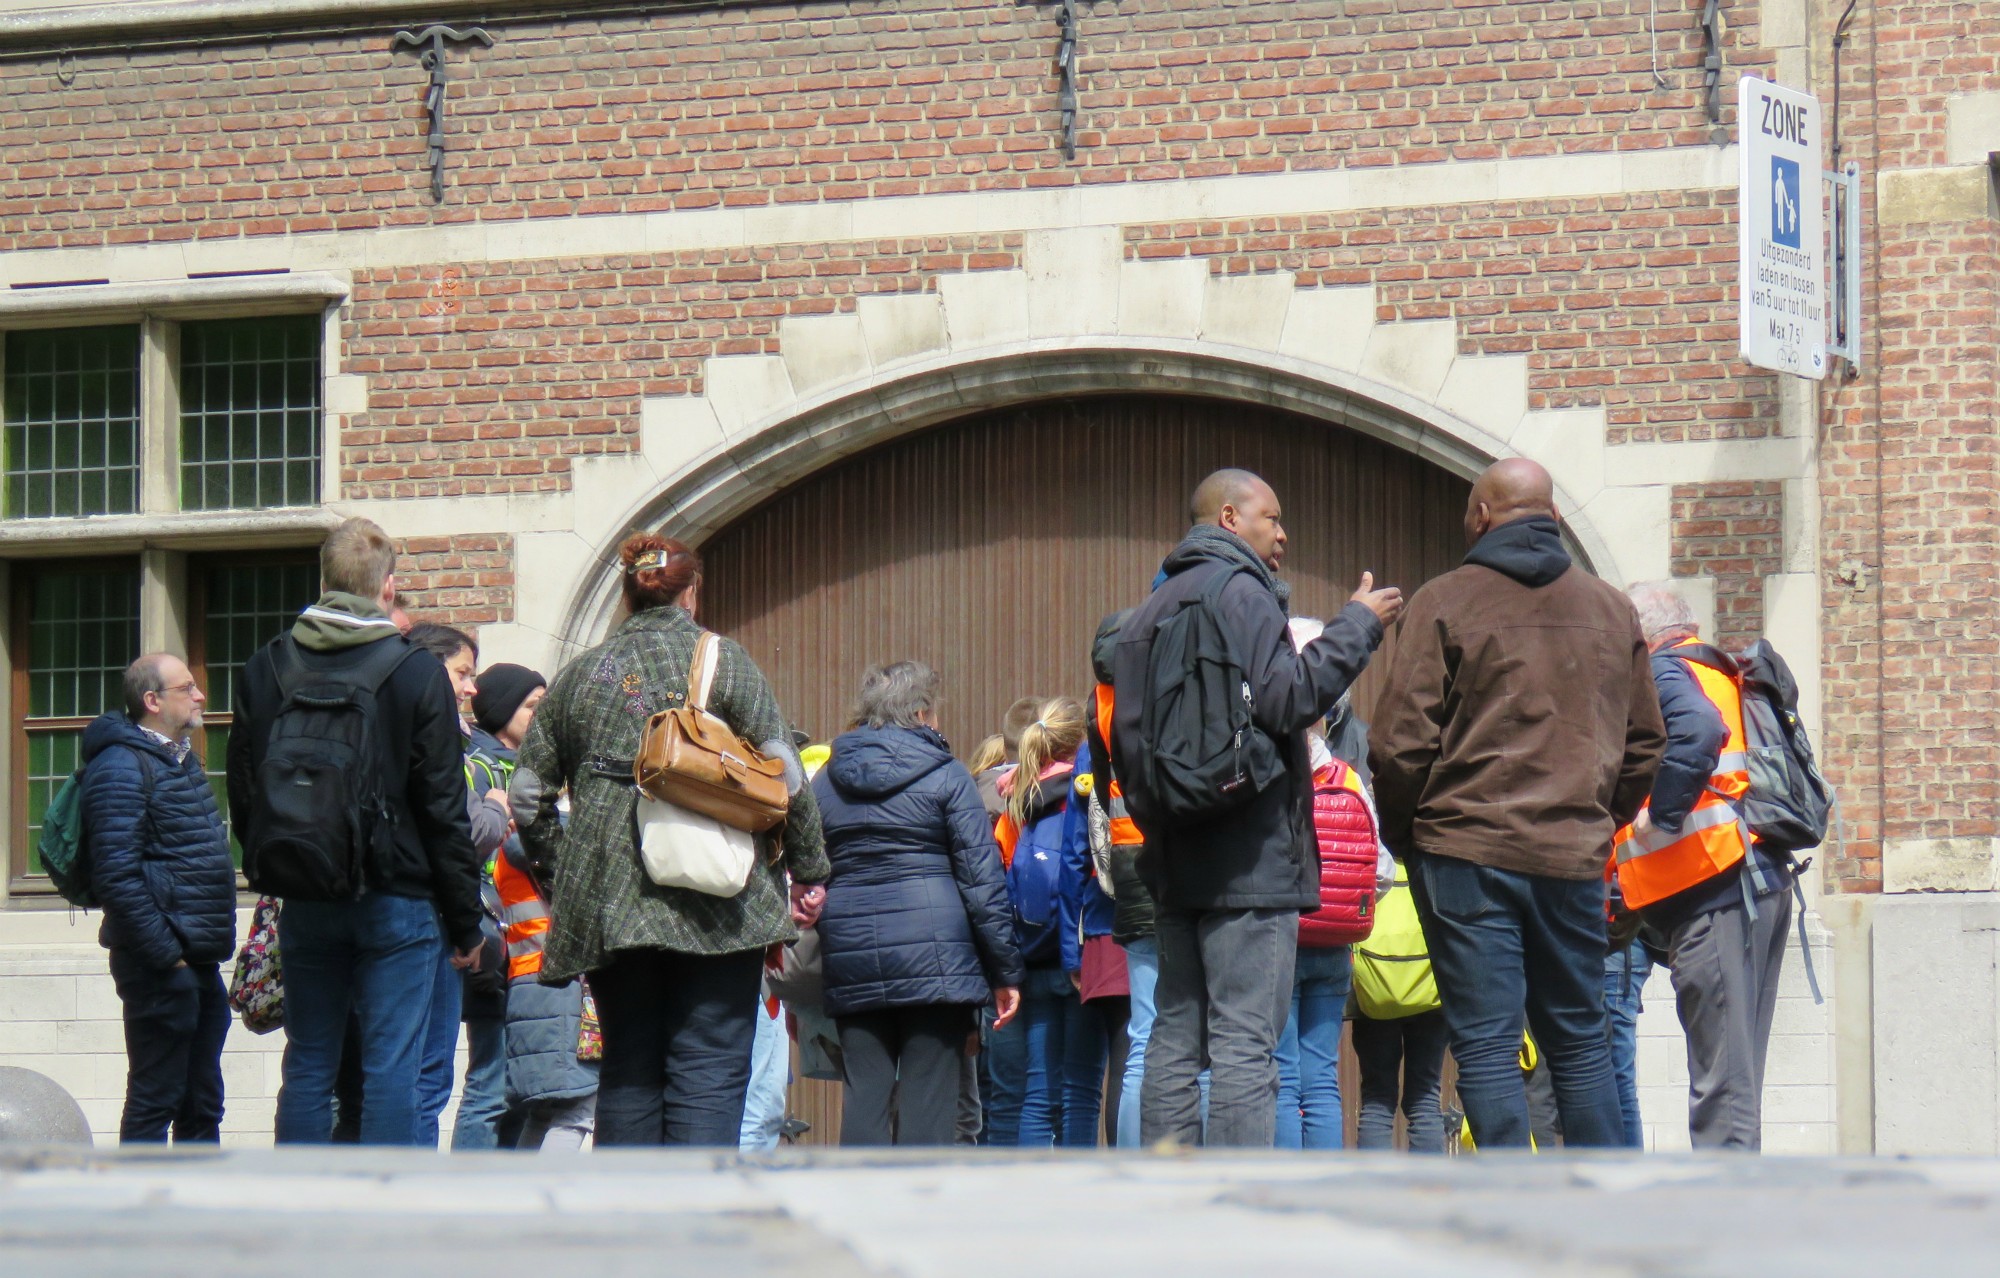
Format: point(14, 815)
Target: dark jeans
point(1508, 947)
point(912, 1054)
point(1225, 990)
point(1625, 973)
point(175, 1022)
point(434, 1076)
point(678, 1033)
point(1406, 1053)
point(378, 957)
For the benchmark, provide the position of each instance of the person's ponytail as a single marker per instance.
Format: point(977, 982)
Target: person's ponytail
point(1053, 737)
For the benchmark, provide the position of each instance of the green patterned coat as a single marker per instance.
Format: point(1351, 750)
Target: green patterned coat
point(601, 900)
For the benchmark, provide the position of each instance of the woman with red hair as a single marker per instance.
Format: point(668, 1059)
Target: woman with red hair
point(675, 972)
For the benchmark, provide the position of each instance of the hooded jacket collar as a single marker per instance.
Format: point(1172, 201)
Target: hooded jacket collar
point(874, 763)
point(1528, 550)
point(1207, 543)
point(340, 621)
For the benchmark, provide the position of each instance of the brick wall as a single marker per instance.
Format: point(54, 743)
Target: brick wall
point(461, 580)
point(826, 101)
point(1911, 518)
point(1733, 533)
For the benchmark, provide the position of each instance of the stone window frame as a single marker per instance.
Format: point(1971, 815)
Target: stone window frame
point(159, 535)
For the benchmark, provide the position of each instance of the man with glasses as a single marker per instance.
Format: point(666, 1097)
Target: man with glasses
point(159, 862)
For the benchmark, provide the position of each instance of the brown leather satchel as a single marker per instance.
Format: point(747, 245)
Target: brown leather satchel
point(693, 760)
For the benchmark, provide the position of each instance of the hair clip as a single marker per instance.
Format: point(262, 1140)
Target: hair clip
point(655, 558)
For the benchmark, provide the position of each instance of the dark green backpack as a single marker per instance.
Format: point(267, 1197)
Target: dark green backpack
point(64, 844)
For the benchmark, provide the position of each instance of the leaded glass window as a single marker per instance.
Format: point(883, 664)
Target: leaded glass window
point(250, 413)
point(81, 624)
point(70, 401)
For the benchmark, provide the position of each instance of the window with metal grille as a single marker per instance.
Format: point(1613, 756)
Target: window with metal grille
point(250, 412)
point(76, 629)
point(70, 401)
point(240, 604)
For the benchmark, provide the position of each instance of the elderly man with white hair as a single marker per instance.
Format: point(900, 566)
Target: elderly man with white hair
point(1714, 901)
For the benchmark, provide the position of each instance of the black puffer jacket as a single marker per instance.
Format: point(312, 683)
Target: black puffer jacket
point(159, 860)
point(916, 908)
point(1261, 855)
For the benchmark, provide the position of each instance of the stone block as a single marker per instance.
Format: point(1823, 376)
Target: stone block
point(677, 430)
point(1800, 1138)
point(1490, 391)
point(1329, 326)
point(1073, 280)
point(1941, 865)
point(1701, 461)
point(346, 393)
point(97, 997)
point(1411, 356)
point(1162, 299)
point(1637, 525)
point(1570, 443)
point(1937, 1024)
point(1971, 127)
point(1937, 195)
point(1246, 310)
point(901, 326)
point(823, 350)
point(743, 389)
point(37, 998)
point(984, 308)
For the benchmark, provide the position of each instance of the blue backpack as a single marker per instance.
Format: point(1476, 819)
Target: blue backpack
point(1032, 884)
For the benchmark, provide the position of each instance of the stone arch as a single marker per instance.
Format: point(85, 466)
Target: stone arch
point(1075, 318)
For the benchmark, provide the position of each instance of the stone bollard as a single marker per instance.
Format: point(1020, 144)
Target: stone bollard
point(35, 1110)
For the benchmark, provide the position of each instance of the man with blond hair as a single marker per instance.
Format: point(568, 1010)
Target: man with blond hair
point(346, 775)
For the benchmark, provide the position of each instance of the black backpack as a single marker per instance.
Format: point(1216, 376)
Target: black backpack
point(1198, 754)
point(1789, 803)
point(320, 820)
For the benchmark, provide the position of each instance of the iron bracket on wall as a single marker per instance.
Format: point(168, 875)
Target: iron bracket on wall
point(430, 41)
point(1066, 54)
point(1711, 60)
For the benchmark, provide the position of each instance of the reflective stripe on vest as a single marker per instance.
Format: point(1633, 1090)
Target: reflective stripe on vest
point(525, 916)
point(1124, 830)
point(1713, 838)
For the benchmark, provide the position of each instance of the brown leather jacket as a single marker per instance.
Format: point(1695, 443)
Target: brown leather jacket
point(1518, 727)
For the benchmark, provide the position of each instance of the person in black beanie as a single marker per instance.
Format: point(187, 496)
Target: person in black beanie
point(502, 707)
point(505, 703)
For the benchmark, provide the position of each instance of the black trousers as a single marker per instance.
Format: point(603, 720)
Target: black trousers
point(912, 1054)
point(678, 1031)
point(175, 1024)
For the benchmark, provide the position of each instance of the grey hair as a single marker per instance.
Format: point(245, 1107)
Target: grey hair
point(1662, 609)
point(141, 677)
point(892, 696)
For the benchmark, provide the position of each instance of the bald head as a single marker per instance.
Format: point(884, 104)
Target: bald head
point(1509, 490)
point(1242, 503)
point(1223, 488)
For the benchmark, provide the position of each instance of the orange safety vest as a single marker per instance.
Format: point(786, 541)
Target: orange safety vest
point(1124, 830)
point(525, 916)
point(1713, 837)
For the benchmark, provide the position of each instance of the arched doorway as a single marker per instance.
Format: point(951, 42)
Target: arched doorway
point(992, 546)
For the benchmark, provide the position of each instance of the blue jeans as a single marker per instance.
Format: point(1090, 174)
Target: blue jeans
point(176, 1020)
point(1142, 967)
point(1506, 948)
point(1049, 1007)
point(770, 1071)
point(379, 956)
point(483, 1104)
point(1625, 972)
point(1309, 1114)
point(435, 1075)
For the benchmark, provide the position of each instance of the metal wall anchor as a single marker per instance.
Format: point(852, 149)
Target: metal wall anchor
point(430, 43)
